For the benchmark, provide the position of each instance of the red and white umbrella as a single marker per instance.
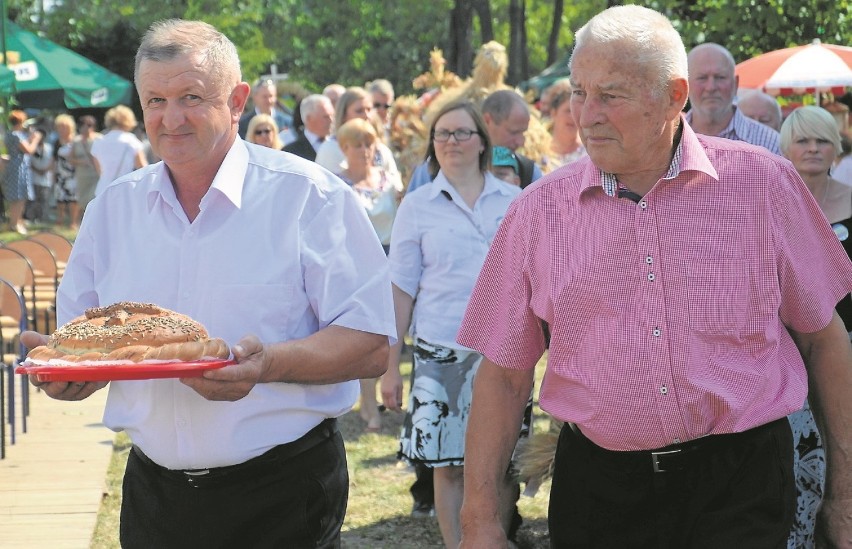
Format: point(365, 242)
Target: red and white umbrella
point(813, 68)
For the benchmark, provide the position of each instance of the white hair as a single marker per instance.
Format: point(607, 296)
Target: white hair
point(310, 104)
point(652, 41)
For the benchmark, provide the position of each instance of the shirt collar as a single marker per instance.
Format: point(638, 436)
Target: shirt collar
point(312, 138)
point(688, 156)
point(737, 127)
point(229, 179)
point(492, 185)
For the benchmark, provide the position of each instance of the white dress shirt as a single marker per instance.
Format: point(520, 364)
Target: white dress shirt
point(116, 153)
point(280, 249)
point(330, 156)
point(438, 246)
point(314, 139)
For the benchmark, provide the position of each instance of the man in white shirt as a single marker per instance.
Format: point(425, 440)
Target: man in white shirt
point(317, 116)
point(247, 241)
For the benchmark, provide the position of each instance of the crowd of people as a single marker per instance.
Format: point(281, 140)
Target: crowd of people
point(681, 273)
point(52, 171)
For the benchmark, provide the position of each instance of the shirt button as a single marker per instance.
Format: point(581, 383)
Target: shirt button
point(651, 277)
point(656, 332)
point(643, 204)
point(664, 390)
point(649, 260)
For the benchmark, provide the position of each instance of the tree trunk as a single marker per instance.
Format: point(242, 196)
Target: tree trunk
point(483, 11)
point(518, 59)
point(553, 41)
point(459, 54)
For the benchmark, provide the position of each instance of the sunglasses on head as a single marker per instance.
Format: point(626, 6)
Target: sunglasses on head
point(262, 131)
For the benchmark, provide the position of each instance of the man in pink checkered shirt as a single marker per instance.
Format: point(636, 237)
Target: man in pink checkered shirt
point(687, 284)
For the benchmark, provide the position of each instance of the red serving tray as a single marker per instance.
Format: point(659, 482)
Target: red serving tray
point(120, 372)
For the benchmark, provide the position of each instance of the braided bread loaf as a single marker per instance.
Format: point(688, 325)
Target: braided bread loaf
point(128, 331)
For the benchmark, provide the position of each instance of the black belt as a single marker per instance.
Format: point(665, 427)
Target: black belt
point(253, 467)
point(679, 457)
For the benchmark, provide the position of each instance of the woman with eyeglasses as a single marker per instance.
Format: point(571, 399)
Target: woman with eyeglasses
point(439, 241)
point(85, 170)
point(263, 131)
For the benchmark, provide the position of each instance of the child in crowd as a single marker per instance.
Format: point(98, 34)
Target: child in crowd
point(504, 165)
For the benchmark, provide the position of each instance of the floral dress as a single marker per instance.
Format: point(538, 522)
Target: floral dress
point(66, 184)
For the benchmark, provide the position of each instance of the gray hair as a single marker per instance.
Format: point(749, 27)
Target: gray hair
point(810, 122)
point(310, 104)
point(381, 86)
point(499, 105)
point(166, 40)
point(756, 98)
point(653, 43)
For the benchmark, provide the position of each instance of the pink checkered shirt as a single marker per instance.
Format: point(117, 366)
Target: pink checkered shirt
point(667, 316)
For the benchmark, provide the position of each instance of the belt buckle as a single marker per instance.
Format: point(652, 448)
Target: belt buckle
point(655, 459)
point(191, 476)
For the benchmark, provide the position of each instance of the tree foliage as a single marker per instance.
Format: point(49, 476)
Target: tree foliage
point(353, 41)
point(750, 27)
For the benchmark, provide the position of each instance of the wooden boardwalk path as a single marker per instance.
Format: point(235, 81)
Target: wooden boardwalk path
point(52, 480)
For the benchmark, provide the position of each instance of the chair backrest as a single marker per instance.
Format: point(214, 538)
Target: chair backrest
point(40, 256)
point(58, 244)
point(16, 269)
point(11, 303)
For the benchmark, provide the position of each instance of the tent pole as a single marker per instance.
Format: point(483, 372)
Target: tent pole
point(4, 101)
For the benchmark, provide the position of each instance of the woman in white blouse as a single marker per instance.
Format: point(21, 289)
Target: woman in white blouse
point(440, 238)
point(379, 192)
point(119, 152)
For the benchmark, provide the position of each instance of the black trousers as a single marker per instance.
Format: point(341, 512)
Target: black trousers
point(736, 491)
point(275, 500)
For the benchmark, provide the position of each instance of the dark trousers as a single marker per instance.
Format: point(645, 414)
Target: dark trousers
point(736, 491)
point(274, 500)
point(423, 489)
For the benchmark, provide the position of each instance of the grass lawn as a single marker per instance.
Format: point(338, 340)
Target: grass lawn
point(379, 502)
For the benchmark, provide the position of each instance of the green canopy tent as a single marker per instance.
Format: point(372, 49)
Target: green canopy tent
point(50, 76)
point(7, 81)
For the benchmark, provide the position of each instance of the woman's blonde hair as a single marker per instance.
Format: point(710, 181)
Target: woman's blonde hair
point(65, 120)
point(810, 122)
point(120, 117)
point(266, 120)
point(356, 131)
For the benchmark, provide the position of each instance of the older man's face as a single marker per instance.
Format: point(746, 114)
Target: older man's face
point(320, 120)
point(620, 117)
point(712, 84)
point(265, 99)
point(763, 110)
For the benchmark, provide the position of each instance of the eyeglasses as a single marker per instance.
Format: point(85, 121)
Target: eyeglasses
point(461, 134)
point(381, 106)
point(263, 131)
